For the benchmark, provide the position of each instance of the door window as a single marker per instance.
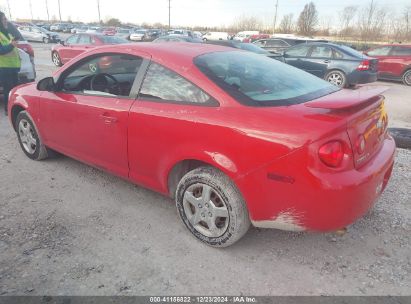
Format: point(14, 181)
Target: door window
point(276, 43)
point(165, 85)
point(381, 51)
point(105, 75)
point(72, 40)
point(321, 52)
point(401, 51)
point(260, 42)
point(84, 39)
point(298, 51)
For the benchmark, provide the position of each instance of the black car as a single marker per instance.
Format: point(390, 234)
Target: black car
point(279, 45)
point(338, 64)
point(246, 47)
point(178, 38)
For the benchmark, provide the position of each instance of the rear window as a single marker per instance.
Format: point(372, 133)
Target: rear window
point(112, 40)
point(251, 48)
point(350, 51)
point(257, 80)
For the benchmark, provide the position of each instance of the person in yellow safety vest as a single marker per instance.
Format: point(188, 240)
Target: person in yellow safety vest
point(9, 60)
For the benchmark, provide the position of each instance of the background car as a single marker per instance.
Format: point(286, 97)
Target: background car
point(61, 27)
point(178, 38)
point(317, 158)
point(35, 33)
point(394, 62)
point(247, 47)
point(139, 35)
point(256, 37)
point(338, 64)
point(79, 29)
point(123, 33)
point(279, 45)
point(215, 36)
point(79, 43)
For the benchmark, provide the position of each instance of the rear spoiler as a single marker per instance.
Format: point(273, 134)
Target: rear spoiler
point(345, 98)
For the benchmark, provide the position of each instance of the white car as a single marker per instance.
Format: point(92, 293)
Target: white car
point(138, 35)
point(215, 36)
point(35, 33)
point(27, 71)
point(245, 34)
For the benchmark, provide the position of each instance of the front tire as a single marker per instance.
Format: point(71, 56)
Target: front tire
point(28, 137)
point(337, 78)
point(55, 57)
point(211, 207)
point(406, 78)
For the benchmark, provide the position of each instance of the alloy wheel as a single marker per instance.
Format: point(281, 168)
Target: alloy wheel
point(206, 210)
point(335, 79)
point(56, 59)
point(27, 136)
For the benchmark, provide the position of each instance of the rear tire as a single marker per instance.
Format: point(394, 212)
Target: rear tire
point(28, 137)
point(406, 78)
point(337, 78)
point(211, 207)
point(55, 57)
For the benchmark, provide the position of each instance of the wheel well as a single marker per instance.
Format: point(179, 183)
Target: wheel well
point(333, 70)
point(406, 70)
point(179, 170)
point(14, 112)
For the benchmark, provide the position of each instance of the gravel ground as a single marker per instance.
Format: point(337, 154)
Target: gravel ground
point(69, 229)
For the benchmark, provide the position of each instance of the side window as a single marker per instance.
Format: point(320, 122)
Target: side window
point(321, 52)
point(105, 75)
point(261, 42)
point(72, 40)
point(381, 51)
point(338, 55)
point(84, 39)
point(162, 84)
point(276, 43)
point(298, 51)
point(401, 51)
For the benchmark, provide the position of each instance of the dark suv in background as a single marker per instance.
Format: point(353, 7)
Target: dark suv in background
point(338, 64)
point(394, 62)
point(279, 45)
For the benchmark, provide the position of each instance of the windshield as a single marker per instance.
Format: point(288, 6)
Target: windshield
point(252, 48)
point(261, 81)
point(112, 40)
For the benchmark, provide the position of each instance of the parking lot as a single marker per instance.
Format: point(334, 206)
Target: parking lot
point(69, 229)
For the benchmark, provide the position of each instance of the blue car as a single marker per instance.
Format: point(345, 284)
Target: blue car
point(338, 64)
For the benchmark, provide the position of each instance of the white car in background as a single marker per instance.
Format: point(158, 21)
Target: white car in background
point(27, 71)
point(245, 34)
point(215, 36)
point(138, 35)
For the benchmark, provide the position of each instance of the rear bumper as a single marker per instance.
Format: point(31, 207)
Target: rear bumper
point(361, 77)
point(312, 200)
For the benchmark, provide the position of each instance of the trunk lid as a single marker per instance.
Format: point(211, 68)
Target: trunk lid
point(366, 118)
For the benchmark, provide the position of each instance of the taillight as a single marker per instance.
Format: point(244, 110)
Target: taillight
point(360, 144)
point(332, 153)
point(364, 66)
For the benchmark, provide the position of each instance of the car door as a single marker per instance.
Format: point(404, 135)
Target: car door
point(399, 60)
point(36, 34)
point(66, 51)
point(319, 59)
point(297, 55)
point(158, 121)
point(26, 33)
point(87, 116)
point(384, 59)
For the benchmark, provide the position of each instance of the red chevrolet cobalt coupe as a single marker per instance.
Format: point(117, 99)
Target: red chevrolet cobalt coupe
point(236, 138)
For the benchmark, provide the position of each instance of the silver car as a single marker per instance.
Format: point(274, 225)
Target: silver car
point(35, 33)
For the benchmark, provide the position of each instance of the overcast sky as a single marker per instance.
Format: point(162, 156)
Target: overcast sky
point(183, 12)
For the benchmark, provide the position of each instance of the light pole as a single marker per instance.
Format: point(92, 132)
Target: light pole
point(31, 10)
point(169, 14)
point(59, 10)
point(275, 16)
point(98, 8)
point(8, 6)
point(47, 10)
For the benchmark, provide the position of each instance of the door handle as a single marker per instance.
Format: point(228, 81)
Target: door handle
point(327, 61)
point(108, 119)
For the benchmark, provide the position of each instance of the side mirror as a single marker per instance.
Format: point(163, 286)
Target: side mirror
point(62, 42)
point(46, 84)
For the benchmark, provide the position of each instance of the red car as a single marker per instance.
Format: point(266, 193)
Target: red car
point(79, 43)
point(236, 138)
point(394, 62)
point(253, 38)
